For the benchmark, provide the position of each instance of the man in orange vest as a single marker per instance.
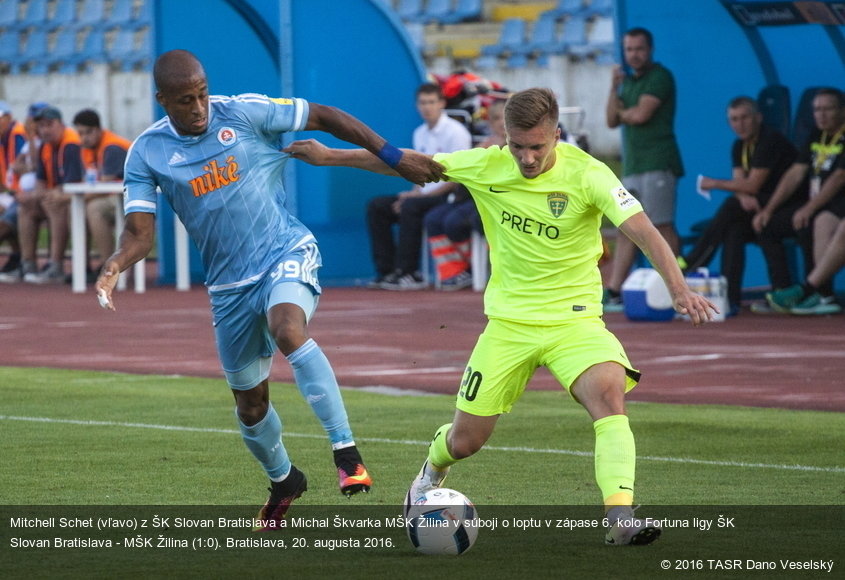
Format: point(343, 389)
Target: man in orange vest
point(59, 162)
point(103, 154)
point(12, 140)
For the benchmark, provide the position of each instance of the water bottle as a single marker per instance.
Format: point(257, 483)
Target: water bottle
point(91, 175)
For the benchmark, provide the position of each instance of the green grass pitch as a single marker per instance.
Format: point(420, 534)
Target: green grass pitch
point(91, 439)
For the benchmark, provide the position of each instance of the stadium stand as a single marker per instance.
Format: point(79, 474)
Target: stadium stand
point(43, 36)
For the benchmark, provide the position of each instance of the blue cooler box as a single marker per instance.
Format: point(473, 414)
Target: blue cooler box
point(646, 298)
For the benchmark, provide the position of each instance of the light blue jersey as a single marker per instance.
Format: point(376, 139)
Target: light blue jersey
point(225, 185)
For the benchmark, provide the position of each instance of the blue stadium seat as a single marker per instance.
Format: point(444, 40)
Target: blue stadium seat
point(601, 35)
point(410, 10)
point(606, 56)
point(10, 46)
point(517, 60)
point(566, 8)
point(131, 49)
point(775, 106)
point(436, 10)
point(92, 14)
point(144, 16)
point(35, 15)
point(64, 14)
point(8, 13)
point(33, 55)
point(511, 39)
point(600, 9)
point(544, 35)
point(93, 48)
point(574, 36)
point(64, 54)
point(123, 14)
point(465, 11)
point(486, 62)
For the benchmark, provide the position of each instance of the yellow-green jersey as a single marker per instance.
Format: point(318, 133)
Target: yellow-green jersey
point(544, 233)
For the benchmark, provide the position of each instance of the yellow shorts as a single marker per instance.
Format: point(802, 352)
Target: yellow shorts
point(507, 354)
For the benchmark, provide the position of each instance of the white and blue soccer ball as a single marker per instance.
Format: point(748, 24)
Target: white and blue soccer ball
point(442, 521)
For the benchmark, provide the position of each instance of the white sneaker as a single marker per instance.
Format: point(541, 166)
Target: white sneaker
point(51, 275)
point(427, 479)
point(457, 282)
point(12, 277)
point(406, 282)
point(628, 530)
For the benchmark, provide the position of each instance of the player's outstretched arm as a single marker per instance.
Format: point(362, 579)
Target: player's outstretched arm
point(313, 152)
point(643, 233)
point(416, 168)
point(136, 241)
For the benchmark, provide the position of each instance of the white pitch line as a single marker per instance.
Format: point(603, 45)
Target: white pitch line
point(426, 443)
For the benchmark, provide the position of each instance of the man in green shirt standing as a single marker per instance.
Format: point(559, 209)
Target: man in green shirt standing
point(643, 102)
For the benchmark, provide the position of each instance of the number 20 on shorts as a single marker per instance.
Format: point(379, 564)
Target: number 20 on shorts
point(470, 384)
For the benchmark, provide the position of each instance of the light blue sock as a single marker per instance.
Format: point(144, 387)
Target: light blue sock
point(316, 381)
point(264, 440)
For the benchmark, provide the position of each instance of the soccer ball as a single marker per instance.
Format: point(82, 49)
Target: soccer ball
point(443, 521)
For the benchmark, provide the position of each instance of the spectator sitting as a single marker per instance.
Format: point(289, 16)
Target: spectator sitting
point(105, 153)
point(23, 170)
point(760, 156)
point(829, 249)
point(397, 265)
point(12, 140)
point(59, 161)
point(450, 225)
point(819, 159)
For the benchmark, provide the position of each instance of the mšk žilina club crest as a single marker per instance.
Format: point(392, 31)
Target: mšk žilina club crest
point(557, 203)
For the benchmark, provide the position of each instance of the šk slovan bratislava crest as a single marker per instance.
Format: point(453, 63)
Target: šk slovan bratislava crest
point(557, 203)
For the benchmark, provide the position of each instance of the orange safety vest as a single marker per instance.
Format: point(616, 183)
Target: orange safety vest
point(8, 154)
point(96, 157)
point(49, 152)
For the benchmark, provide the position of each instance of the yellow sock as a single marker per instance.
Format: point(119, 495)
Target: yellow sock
point(616, 457)
point(438, 451)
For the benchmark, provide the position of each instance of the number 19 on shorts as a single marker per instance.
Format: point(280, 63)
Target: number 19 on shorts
point(470, 384)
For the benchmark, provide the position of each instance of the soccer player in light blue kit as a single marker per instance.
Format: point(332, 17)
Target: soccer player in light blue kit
point(217, 160)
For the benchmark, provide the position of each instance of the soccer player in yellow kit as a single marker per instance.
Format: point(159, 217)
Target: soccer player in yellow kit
point(541, 203)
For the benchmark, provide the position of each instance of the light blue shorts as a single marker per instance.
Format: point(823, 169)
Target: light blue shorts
point(244, 343)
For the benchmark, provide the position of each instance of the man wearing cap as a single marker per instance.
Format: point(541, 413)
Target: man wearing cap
point(59, 162)
point(12, 140)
